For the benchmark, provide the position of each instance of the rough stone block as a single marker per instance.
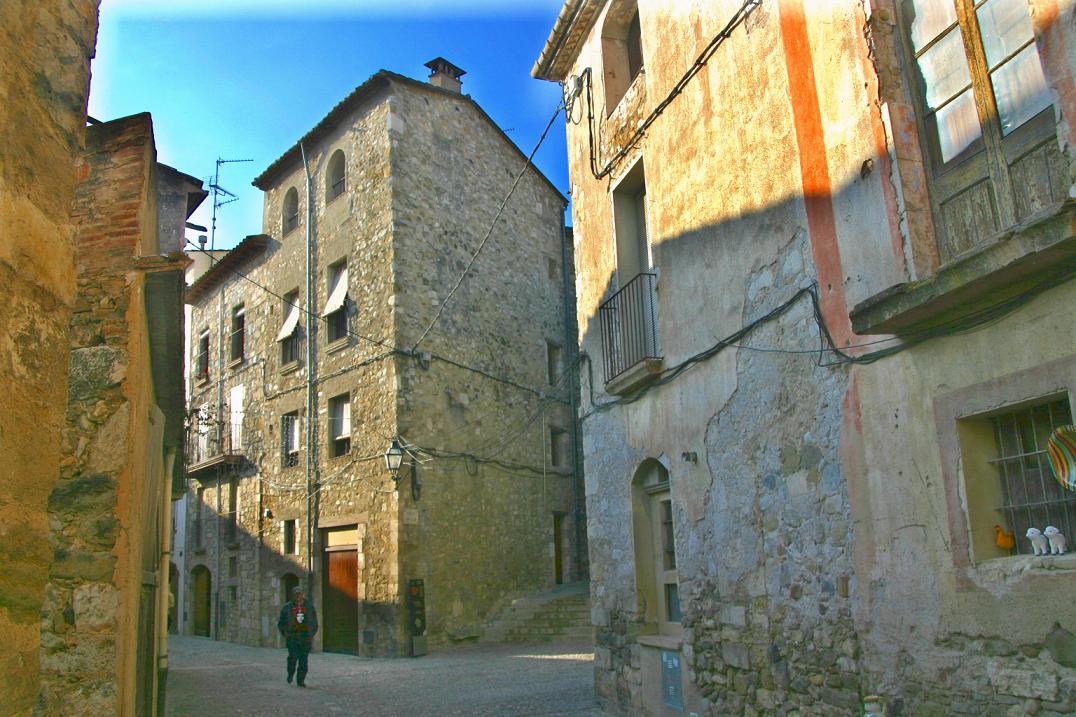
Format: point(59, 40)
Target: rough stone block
point(1022, 681)
point(736, 655)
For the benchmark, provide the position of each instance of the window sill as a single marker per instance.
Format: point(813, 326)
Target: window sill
point(337, 345)
point(201, 381)
point(237, 362)
point(661, 642)
point(199, 551)
point(1017, 566)
point(639, 374)
point(289, 367)
point(1039, 249)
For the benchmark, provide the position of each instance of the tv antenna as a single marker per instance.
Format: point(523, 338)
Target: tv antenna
point(221, 196)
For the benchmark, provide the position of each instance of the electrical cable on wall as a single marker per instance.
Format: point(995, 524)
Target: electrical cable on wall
point(737, 19)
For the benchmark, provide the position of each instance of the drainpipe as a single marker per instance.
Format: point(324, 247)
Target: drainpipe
point(311, 405)
point(164, 582)
point(219, 469)
point(570, 346)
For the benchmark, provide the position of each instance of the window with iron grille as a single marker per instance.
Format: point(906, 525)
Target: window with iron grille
point(238, 336)
point(340, 425)
point(289, 439)
point(201, 369)
point(1030, 497)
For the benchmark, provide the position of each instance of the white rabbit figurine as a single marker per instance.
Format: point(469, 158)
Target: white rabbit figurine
point(1057, 540)
point(1038, 541)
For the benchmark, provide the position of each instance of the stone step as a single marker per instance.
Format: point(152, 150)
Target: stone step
point(561, 612)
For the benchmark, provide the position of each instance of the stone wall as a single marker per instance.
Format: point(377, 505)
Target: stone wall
point(45, 50)
point(97, 629)
point(390, 224)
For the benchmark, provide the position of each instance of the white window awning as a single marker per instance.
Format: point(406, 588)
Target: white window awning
point(338, 293)
point(291, 322)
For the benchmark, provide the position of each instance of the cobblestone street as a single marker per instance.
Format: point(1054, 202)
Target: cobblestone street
point(503, 680)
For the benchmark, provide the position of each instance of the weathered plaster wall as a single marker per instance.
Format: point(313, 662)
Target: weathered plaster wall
point(1001, 627)
point(766, 579)
point(45, 50)
point(787, 161)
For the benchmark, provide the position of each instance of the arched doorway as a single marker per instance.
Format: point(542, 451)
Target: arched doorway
point(203, 597)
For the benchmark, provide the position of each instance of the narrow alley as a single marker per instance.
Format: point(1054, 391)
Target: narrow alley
point(506, 680)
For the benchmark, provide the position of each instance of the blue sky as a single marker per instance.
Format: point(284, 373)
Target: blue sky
point(244, 79)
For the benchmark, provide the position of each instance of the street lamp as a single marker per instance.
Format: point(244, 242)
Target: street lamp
point(393, 458)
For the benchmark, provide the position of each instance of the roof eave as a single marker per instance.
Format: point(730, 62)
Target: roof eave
point(570, 31)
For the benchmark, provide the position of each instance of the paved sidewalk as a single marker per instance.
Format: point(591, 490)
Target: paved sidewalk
point(481, 680)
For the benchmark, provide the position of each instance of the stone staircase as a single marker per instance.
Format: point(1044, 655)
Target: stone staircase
point(560, 613)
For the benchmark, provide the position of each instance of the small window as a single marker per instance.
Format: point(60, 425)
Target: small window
point(289, 439)
point(291, 544)
point(622, 50)
point(201, 371)
point(290, 211)
point(288, 336)
point(231, 533)
point(199, 511)
point(233, 567)
point(1008, 479)
point(238, 337)
point(340, 425)
point(552, 267)
point(335, 314)
point(558, 448)
point(336, 177)
point(554, 367)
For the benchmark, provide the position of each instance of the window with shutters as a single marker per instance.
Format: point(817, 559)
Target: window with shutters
point(335, 313)
point(289, 215)
point(340, 425)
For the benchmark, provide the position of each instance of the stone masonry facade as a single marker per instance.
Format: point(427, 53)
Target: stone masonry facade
point(829, 525)
point(425, 170)
point(45, 51)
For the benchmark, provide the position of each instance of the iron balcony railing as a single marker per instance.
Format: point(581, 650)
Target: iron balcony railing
point(211, 441)
point(629, 326)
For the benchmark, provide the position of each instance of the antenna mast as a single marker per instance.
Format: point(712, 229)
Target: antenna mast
point(221, 196)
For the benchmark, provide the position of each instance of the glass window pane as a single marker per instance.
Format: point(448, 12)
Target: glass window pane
point(672, 602)
point(944, 69)
point(1020, 89)
point(927, 19)
point(957, 125)
point(1005, 26)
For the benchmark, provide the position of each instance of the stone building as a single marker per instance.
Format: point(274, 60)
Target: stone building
point(45, 52)
point(104, 618)
point(778, 529)
point(318, 343)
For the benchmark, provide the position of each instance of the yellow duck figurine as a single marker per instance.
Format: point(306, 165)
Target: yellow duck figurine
point(1005, 541)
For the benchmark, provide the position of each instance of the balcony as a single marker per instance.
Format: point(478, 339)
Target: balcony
point(212, 443)
point(630, 345)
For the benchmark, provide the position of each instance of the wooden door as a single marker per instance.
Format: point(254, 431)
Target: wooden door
point(202, 597)
point(340, 608)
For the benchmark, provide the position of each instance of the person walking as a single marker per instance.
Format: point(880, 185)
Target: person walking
point(298, 623)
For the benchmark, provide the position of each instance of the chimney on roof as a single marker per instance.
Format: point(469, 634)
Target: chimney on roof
point(444, 74)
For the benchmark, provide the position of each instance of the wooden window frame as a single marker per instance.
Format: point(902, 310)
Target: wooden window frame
point(992, 162)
